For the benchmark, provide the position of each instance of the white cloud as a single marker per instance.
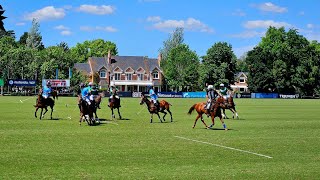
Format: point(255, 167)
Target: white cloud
point(301, 13)
point(61, 27)
point(270, 7)
point(265, 24)
point(46, 13)
point(98, 10)
point(190, 24)
point(65, 32)
point(238, 12)
point(98, 28)
point(248, 34)
point(153, 19)
point(20, 24)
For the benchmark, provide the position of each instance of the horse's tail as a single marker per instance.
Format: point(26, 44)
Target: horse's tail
point(192, 108)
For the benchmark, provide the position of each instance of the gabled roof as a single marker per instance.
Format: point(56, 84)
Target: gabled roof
point(245, 74)
point(123, 62)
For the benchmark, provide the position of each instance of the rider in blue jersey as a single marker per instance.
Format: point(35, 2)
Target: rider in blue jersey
point(86, 93)
point(153, 97)
point(46, 91)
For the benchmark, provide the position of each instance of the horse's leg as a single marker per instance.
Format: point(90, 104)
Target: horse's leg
point(170, 114)
point(35, 113)
point(41, 113)
point(46, 108)
point(159, 117)
point(151, 115)
point(51, 111)
point(234, 108)
point(164, 115)
point(204, 122)
point(119, 114)
point(112, 114)
point(223, 112)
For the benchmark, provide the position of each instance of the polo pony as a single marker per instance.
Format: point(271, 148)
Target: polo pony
point(215, 111)
point(163, 106)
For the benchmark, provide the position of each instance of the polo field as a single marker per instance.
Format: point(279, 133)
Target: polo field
point(272, 139)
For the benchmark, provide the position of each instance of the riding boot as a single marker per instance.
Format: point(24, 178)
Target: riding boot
point(109, 102)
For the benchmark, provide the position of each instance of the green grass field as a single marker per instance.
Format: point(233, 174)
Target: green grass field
point(274, 139)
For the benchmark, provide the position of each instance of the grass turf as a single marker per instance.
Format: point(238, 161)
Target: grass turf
point(284, 129)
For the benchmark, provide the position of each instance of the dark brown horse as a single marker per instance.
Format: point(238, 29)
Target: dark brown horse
point(115, 104)
point(86, 112)
point(229, 104)
point(214, 112)
point(43, 104)
point(163, 105)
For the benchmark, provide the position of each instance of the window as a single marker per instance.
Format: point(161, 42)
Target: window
point(241, 89)
point(117, 76)
point(242, 80)
point(128, 76)
point(103, 74)
point(155, 75)
point(140, 77)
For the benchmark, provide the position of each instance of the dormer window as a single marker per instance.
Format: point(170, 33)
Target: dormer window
point(155, 75)
point(103, 73)
point(242, 80)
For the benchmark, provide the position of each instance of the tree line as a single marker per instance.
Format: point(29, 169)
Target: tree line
point(283, 61)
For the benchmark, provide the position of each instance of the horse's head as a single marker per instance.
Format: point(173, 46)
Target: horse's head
point(143, 99)
point(220, 100)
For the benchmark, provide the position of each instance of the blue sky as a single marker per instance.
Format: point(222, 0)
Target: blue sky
point(139, 27)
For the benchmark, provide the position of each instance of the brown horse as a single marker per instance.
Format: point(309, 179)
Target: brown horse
point(163, 105)
point(115, 104)
point(86, 112)
point(229, 104)
point(43, 104)
point(214, 112)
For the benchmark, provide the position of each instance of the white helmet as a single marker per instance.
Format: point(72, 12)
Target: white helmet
point(221, 85)
point(90, 84)
point(210, 87)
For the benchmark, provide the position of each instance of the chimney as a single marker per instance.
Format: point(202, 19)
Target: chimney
point(159, 59)
point(109, 57)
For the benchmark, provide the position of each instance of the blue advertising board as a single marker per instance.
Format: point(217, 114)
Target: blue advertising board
point(194, 94)
point(264, 95)
point(170, 94)
point(20, 82)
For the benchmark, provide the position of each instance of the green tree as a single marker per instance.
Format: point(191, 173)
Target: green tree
point(174, 40)
point(181, 69)
point(23, 39)
point(218, 65)
point(34, 39)
point(95, 48)
point(283, 62)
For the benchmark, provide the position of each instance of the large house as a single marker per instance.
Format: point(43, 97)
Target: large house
point(241, 84)
point(129, 73)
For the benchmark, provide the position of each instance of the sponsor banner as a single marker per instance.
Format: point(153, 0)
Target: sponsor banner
point(264, 95)
point(20, 82)
point(194, 94)
point(125, 94)
point(289, 96)
point(170, 94)
point(243, 95)
point(57, 82)
point(136, 94)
